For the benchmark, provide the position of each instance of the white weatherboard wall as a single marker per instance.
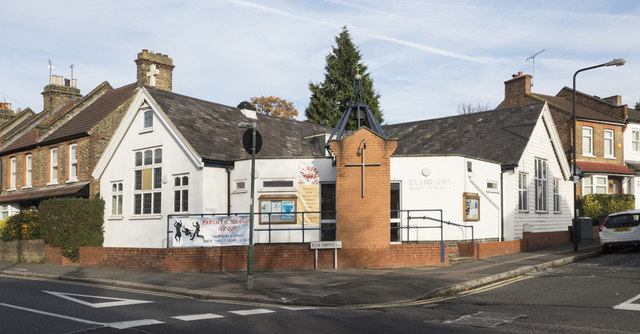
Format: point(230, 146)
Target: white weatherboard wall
point(150, 231)
point(633, 186)
point(277, 169)
point(539, 146)
point(442, 188)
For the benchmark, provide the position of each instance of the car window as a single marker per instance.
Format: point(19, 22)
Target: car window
point(622, 221)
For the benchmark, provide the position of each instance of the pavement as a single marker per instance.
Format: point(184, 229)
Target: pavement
point(337, 288)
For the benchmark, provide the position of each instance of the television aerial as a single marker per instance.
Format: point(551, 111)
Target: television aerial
point(533, 63)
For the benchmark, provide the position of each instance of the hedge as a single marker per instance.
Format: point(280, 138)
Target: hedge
point(70, 223)
point(593, 205)
point(23, 226)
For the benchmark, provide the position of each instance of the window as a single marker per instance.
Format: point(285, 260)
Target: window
point(595, 184)
point(28, 172)
point(53, 166)
point(328, 211)
point(587, 141)
point(635, 141)
point(556, 196)
point(492, 186)
point(278, 185)
point(73, 162)
point(541, 185)
point(240, 186)
point(12, 179)
point(116, 199)
point(147, 182)
point(181, 194)
point(9, 210)
point(523, 194)
point(608, 143)
point(148, 119)
point(395, 214)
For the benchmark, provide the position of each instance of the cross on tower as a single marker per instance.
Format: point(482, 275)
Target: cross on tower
point(153, 71)
point(363, 164)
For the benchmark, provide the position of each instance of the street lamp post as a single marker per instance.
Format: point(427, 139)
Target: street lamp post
point(250, 249)
point(614, 62)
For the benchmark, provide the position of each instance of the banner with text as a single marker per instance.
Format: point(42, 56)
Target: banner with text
point(211, 231)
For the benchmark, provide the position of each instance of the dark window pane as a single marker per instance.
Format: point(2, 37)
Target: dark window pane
point(395, 200)
point(137, 204)
point(328, 200)
point(138, 158)
point(148, 157)
point(146, 203)
point(185, 200)
point(176, 182)
point(157, 156)
point(157, 202)
point(278, 184)
point(176, 201)
point(185, 180)
point(119, 186)
point(137, 182)
point(157, 177)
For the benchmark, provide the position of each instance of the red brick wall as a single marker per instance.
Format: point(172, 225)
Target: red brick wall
point(267, 257)
point(531, 241)
point(363, 222)
point(485, 250)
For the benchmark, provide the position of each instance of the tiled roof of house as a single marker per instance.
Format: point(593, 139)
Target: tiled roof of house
point(603, 167)
point(498, 135)
point(212, 130)
point(81, 123)
point(583, 112)
point(634, 115)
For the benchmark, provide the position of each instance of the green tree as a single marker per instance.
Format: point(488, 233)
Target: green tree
point(637, 107)
point(330, 98)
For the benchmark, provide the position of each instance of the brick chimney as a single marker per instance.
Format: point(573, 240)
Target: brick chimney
point(154, 69)
point(59, 91)
point(5, 108)
point(615, 99)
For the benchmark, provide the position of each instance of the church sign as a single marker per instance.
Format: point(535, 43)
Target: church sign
point(210, 231)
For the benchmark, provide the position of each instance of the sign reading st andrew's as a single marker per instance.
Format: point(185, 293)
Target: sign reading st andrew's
point(212, 231)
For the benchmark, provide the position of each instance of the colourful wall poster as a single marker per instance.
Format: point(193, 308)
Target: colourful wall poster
point(309, 201)
point(308, 174)
point(211, 231)
point(288, 207)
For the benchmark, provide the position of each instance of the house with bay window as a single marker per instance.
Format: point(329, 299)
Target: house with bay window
point(601, 133)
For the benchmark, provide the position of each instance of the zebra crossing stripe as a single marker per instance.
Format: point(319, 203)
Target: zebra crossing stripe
point(192, 317)
point(252, 312)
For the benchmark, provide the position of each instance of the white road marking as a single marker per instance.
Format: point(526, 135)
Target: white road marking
point(133, 323)
point(297, 308)
point(252, 312)
point(118, 325)
point(629, 305)
point(112, 303)
point(192, 317)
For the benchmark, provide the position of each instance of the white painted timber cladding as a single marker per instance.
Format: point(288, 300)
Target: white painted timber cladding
point(540, 146)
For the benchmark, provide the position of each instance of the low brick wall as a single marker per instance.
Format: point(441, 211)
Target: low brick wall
point(531, 241)
point(22, 251)
point(266, 257)
point(485, 250)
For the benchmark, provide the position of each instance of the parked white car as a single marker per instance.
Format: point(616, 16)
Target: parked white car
point(620, 229)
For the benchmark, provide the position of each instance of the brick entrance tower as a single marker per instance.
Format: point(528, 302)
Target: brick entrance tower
point(362, 189)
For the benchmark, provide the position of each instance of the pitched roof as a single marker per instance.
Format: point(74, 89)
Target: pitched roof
point(212, 130)
point(498, 135)
point(634, 115)
point(582, 111)
point(82, 122)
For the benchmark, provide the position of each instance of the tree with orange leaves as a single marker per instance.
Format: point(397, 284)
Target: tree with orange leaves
point(274, 106)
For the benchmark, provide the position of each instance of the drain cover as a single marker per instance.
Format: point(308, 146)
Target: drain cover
point(485, 319)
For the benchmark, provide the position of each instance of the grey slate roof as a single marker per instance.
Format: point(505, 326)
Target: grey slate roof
point(498, 135)
point(212, 130)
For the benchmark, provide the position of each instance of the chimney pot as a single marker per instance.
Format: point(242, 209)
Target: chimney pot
point(60, 79)
point(73, 82)
point(67, 82)
point(54, 79)
point(519, 74)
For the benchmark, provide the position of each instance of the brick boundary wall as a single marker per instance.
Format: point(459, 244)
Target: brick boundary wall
point(531, 241)
point(485, 250)
point(22, 250)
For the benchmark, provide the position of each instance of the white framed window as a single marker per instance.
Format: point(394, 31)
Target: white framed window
point(147, 182)
point(541, 185)
point(28, 170)
point(9, 210)
point(635, 141)
point(556, 196)
point(278, 185)
point(116, 198)
point(53, 165)
point(13, 173)
point(181, 193)
point(240, 186)
point(523, 193)
point(587, 141)
point(608, 144)
point(73, 163)
point(492, 186)
point(594, 184)
point(148, 119)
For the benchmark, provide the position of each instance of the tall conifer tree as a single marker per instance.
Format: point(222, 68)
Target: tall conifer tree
point(330, 98)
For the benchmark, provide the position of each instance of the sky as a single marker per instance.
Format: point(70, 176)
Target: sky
point(426, 58)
